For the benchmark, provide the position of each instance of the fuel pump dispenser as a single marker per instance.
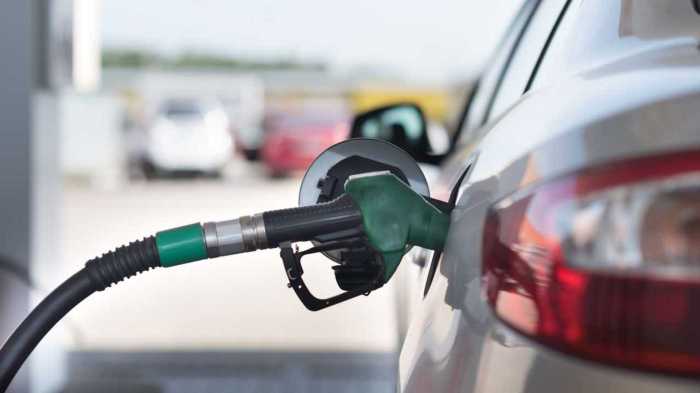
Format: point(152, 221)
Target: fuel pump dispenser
point(363, 204)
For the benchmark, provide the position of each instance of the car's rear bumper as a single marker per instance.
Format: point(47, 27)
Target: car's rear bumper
point(521, 366)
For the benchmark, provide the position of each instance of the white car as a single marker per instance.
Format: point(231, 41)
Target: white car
point(571, 263)
point(188, 135)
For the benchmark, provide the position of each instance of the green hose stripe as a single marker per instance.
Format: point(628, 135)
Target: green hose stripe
point(181, 245)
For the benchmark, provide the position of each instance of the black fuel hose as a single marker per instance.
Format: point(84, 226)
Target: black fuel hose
point(97, 275)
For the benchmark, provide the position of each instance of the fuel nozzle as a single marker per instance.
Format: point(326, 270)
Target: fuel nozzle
point(371, 225)
point(377, 206)
point(322, 222)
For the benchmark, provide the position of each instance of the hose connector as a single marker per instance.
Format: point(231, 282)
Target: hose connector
point(243, 234)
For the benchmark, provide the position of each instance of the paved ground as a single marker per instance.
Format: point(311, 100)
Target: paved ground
point(240, 372)
point(235, 303)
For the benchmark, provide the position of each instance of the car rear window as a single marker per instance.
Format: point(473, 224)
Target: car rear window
point(182, 110)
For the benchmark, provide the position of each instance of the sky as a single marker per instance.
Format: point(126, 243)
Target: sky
point(422, 39)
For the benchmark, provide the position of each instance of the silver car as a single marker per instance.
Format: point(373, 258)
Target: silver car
point(573, 259)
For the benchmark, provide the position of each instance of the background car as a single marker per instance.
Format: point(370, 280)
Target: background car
point(571, 263)
point(293, 140)
point(188, 135)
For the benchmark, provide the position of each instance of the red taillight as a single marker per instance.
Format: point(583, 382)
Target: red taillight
point(604, 264)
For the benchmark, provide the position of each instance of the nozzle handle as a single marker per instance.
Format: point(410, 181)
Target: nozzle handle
point(309, 222)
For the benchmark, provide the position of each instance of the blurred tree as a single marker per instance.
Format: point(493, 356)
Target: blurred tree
point(136, 58)
point(128, 58)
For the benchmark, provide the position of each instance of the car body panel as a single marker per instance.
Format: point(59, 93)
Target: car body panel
point(614, 105)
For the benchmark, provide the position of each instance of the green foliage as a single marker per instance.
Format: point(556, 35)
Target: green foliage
point(128, 58)
point(135, 58)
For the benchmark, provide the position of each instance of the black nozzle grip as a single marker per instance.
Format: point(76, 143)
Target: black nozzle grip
point(310, 222)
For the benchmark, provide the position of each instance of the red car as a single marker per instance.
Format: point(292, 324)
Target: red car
point(292, 141)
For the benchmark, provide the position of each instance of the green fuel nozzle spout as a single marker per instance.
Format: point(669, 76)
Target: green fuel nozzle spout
point(395, 217)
